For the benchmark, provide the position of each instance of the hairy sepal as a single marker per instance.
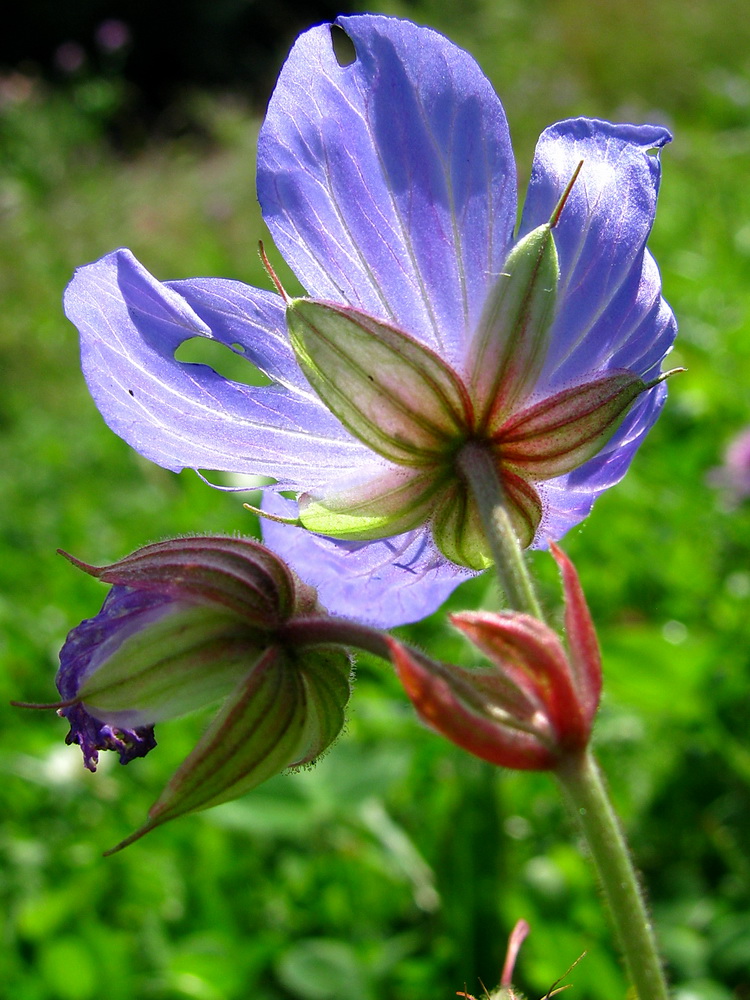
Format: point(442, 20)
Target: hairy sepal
point(530, 656)
point(583, 646)
point(457, 528)
point(390, 503)
point(238, 574)
point(450, 700)
point(284, 713)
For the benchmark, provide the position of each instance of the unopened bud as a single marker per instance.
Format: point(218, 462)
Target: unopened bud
point(535, 703)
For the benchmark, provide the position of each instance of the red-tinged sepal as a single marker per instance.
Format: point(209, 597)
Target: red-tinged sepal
point(457, 705)
point(524, 505)
point(533, 705)
point(238, 574)
point(562, 432)
point(583, 645)
point(530, 656)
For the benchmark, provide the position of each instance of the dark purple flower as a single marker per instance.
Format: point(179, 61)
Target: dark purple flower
point(123, 613)
point(389, 186)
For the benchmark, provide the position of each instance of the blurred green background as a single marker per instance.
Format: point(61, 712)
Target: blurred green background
point(395, 868)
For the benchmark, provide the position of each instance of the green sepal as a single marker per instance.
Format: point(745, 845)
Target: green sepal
point(511, 340)
point(395, 501)
point(286, 711)
point(457, 524)
point(457, 529)
point(524, 506)
point(397, 396)
point(189, 656)
point(326, 675)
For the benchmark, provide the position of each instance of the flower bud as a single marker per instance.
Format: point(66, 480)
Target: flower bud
point(190, 622)
point(534, 705)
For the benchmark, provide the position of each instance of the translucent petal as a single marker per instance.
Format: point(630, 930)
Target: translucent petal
point(389, 183)
point(186, 415)
point(249, 319)
point(607, 290)
point(384, 583)
point(610, 313)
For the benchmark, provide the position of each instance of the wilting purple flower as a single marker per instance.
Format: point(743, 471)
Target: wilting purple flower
point(389, 186)
point(188, 623)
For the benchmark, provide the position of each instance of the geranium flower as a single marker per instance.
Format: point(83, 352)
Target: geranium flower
point(388, 183)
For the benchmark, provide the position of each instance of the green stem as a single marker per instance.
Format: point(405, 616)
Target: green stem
point(583, 788)
point(480, 471)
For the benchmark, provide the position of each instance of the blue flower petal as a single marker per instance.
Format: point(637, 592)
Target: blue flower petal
point(611, 314)
point(186, 415)
point(609, 294)
point(384, 583)
point(389, 183)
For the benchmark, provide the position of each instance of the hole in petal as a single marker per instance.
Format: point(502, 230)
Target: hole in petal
point(343, 46)
point(229, 362)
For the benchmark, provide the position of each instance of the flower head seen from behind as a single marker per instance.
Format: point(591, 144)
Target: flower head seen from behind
point(388, 183)
point(188, 623)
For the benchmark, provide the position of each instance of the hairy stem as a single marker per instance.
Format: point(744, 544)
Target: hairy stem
point(478, 467)
point(337, 631)
point(584, 790)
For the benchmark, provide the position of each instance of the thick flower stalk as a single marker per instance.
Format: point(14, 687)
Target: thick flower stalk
point(389, 185)
point(188, 623)
point(534, 705)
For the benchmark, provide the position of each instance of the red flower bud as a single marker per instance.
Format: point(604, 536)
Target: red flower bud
point(534, 704)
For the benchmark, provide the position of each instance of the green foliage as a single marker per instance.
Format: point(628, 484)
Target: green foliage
point(397, 866)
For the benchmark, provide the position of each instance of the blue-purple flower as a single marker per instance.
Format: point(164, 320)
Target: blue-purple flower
point(389, 185)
